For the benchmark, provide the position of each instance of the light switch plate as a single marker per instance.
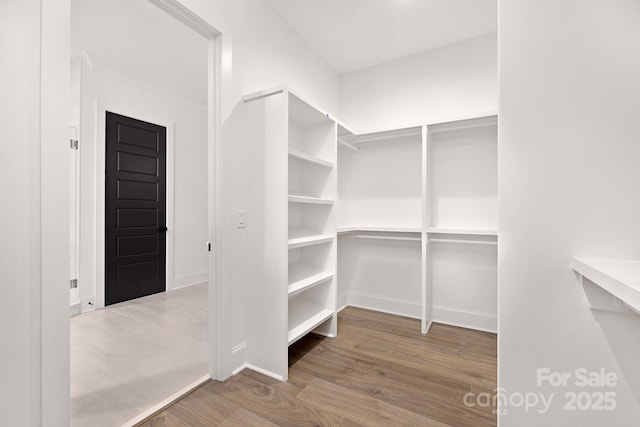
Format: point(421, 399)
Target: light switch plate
point(241, 219)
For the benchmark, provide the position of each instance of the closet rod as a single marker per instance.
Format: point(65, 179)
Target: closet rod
point(366, 236)
point(348, 145)
point(472, 242)
point(449, 127)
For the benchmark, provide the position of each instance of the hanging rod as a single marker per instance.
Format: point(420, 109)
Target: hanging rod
point(348, 145)
point(455, 125)
point(389, 134)
point(472, 242)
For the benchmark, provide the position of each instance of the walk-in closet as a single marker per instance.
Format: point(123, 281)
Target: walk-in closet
point(400, 221)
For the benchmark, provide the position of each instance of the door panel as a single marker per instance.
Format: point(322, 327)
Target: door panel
point(130, 162)
point(136, 190)
point(135, 257)
point(137, 218)
point(137, 245)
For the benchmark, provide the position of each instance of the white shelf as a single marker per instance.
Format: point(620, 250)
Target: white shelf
point(296, 198)
point(388, 135)
point(465, 123)
point(302, 113)
point(618, 277)
point(309, 158)
point(351, 229)
point(299, 237)
point(462, 231)
point(303, 277)
point(306, 324)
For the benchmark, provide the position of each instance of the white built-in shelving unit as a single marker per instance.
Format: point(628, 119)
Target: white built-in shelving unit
point(402, 221)
point(418, 221)
point(312, 221)
point(294, 287)
point(461, 222)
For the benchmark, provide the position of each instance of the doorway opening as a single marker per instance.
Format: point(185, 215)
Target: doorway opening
point(146, 65)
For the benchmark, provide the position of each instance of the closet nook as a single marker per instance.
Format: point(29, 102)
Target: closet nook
point(402, 221)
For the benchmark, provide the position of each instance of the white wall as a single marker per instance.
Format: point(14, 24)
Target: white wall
point(569, 174)
point(17, 368)
point(187, 134)
point(259, 51)
point(448, 82)
point(34, 243)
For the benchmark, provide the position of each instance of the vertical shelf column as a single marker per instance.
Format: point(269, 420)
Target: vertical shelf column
point(427, 291)
point(460, 226)
point(312, 191)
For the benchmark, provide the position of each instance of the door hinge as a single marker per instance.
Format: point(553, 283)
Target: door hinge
point(73, 283)
point(73, 144)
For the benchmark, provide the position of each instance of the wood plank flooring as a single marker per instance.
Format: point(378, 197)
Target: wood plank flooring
point(379, 371)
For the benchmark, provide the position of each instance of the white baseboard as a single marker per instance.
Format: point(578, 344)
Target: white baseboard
point(427, 327)
point(87, 304)
point(262, 371)
point(240, 366)
point(238, 357)
point(257, 369)
point(343, 301)
point(466, 319)
point(193, 279)
point(239, 369)
point(386, 305)
point(446, 315)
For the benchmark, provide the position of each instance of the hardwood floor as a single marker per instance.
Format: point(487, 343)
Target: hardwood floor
point(379, 371)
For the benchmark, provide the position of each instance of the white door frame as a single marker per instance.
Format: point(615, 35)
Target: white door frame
point(219, 336)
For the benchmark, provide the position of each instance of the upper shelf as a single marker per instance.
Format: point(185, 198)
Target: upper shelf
point(379, 229)
point(470, 123)
point(301, 113)
point(618, 277)
point(461, 231)
point(309, 158)
point(347, 138)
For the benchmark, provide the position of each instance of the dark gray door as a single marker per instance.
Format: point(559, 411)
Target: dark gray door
point(135, 238)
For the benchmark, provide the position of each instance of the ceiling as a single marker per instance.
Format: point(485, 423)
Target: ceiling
point(137, 39)
point(353, 34)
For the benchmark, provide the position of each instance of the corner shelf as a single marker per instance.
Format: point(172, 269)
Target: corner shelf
point(618, 277)
point(303, 277)
point(296, 198)
point(309, 158)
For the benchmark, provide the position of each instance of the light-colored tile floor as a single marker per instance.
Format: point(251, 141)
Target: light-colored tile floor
point(130, 356)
